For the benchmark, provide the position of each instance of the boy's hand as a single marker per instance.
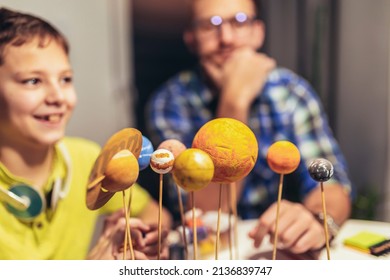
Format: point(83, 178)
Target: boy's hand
point(111, 243)
point(151, 243)
point(144, 239)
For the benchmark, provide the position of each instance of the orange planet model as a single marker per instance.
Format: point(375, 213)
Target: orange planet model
point(173, 145)
point(231, 145)
point(193, 169)
point(283, 157)
point(121, 172)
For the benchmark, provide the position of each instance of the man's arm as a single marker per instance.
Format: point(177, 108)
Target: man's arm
point(337, 201)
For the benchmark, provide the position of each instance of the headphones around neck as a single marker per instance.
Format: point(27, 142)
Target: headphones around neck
point(26, 203)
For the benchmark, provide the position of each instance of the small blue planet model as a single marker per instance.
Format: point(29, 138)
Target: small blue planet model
point(146, 152)
point(321, 170)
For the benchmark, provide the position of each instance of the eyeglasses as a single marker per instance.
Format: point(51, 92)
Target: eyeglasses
point(211, 27)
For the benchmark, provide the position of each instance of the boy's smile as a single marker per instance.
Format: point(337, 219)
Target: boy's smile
point(50, 118)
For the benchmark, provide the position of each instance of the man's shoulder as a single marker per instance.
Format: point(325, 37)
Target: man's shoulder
point(284, 77)
point(284, 84)
point(282, 74)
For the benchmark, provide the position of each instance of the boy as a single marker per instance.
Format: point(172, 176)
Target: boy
point(37, 98)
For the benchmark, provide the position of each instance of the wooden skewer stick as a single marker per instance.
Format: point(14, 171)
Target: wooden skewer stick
point(127, 232)
point(218, 222)
point(194, 226)
point(322, 170)
point(283, 157)
point(130, 199)
point(235, 215)
point(160, 216)
point(182, 223)
point(325, 221)
point(230, 222)
point(277, 216)
point(161, 162)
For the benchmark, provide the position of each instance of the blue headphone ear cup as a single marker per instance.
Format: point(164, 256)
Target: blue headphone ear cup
point(36, 202)
point(35, 206)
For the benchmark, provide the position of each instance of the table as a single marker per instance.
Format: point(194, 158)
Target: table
point(350, 228)
point(338, 251)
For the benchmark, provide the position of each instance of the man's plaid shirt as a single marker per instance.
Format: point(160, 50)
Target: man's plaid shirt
point(286, 109)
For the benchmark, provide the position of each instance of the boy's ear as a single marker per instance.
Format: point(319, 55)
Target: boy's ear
point(259, 34)
point(189, 40)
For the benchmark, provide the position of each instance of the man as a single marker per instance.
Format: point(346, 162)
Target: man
point(234, 80)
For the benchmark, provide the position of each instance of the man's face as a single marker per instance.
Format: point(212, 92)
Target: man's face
point(222, 26)
point(37, 95)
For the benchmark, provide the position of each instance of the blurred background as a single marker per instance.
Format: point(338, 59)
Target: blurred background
point(122, 50)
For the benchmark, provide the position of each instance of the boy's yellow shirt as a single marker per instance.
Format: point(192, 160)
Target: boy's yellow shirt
point(67, 232)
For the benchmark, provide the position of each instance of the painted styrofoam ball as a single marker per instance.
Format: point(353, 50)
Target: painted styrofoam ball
point(193, 169)
point(232, 147)
point(162, 161)
point(173, 145)
point(321, 170)
point(146, 153)
point(283, 157)
point(121, 172)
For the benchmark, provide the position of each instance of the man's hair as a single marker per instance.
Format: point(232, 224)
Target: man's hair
point(18, 28)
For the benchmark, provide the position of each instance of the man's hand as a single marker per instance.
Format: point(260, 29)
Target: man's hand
point(239, 80)
point(298, 230)
point(242, 75)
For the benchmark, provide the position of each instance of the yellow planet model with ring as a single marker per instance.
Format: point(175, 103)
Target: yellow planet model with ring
point(232, 146)
point(121, 172)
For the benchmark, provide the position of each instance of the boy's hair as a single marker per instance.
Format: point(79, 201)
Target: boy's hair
point(18, 28)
